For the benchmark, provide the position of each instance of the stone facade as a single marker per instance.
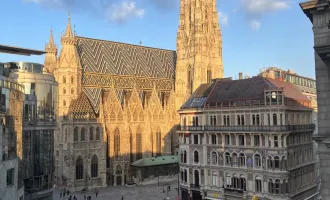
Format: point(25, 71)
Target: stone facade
point(318, 12)
point(130, 92)
point(254, 139)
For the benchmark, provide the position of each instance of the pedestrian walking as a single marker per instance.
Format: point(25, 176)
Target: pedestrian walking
point(96, 194)
point(84, 197)
point(122, 198)
point(60, 195)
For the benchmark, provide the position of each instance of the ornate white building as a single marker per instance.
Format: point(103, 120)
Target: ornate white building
point(245, 138)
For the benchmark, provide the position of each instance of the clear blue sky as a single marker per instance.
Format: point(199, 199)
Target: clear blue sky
point(256, 33)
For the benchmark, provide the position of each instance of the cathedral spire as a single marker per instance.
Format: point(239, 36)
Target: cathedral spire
point(51, 54)
point(68, 31)
point(199, 47)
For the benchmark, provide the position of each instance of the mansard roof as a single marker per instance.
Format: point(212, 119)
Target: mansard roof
point(227, 90)
point(108, 57)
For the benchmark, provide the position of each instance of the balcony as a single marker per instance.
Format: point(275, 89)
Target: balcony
point(234, 192)
point(258, 128)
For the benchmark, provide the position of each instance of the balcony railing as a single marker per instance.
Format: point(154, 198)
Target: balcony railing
point(258, 128)
point(194, 186)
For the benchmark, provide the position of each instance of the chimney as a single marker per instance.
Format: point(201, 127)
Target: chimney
point(240, 76)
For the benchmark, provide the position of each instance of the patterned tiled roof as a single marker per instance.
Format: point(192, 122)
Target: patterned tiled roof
point(114, 58)
point(108, 57)
point(81, 108)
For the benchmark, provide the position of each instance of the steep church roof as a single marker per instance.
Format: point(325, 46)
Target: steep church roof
point(108, 57)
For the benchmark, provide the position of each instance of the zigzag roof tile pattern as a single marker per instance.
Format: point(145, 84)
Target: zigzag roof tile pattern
point(114, 58)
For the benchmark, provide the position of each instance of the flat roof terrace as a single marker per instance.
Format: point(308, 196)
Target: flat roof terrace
point(19, 50)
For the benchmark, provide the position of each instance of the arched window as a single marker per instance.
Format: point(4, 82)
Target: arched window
point(271, 188)
point(82, 134)
point(91, 133)
point(214, 179)
point(276, 162)
point(98, 137)
point(242, 183)
point(196, 157)
point(94, 167)
point(72, 91)
point(209, 76)
point(138, 145)
point(64, 79)
point(196, 173)
point(72, 79)
point(185, 156)
point(258, 120)
point(228, 158)
point(75, 134)
point(269, 162)
point(79, 168)
point(57, 153)
point(235, 181)
point(116, 142)
point(119, 171)
point(64, 91)
point(242, 120)
point(234, 159)
point(257, 160)
point(185, 175)
point(277, 186)
point(241, 160)
point(214, 158)
point(158, 143)
point(258, 184)
point(64, 103)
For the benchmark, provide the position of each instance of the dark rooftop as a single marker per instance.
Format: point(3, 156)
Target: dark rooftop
point(19, 50)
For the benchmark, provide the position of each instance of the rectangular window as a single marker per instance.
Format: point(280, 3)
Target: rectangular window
point(195, 139)
point(253, 120)
point(256, 140)
point(227, 139)
point(214, 139)
point(258, 185)
point(275, 141)
point(241, 140)
point(10, 177)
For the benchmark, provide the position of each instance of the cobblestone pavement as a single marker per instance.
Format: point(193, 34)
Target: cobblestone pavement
point(145, 192)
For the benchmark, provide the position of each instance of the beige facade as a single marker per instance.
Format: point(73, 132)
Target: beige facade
point(130, 93)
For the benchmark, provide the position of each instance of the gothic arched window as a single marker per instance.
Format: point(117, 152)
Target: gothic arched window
point(94, 167)
point(196, 157)
point(158, 143)
point(116, 142)
point(64, 79)
point(64, 91)
point(209, 76)
point(79, 168)
point(91, 132)
point(138, 145)
point(75, 134)
point(64, 103)
point(72, 79)
point(72, 91)
point(82, 134)
point(98, 137)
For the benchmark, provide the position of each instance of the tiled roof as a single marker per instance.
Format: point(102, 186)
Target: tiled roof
point(108, 57)
point(81, 108)
point(227, 90)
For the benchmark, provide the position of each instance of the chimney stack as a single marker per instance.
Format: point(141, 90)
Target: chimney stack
point(240, 76)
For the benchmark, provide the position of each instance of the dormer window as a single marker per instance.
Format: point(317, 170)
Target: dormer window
point(274, 98)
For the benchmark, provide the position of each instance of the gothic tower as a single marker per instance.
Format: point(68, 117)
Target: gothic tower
point(51, 55)
point(199, 47)
point(68, 71)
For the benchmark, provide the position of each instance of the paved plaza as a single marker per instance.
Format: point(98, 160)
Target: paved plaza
point(144, 192)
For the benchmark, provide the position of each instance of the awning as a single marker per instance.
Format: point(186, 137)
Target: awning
point(212, 198)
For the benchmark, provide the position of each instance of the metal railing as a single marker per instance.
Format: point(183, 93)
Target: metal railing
point(257, 128)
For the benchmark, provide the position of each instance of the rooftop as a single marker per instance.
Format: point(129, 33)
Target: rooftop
point(19, 50)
